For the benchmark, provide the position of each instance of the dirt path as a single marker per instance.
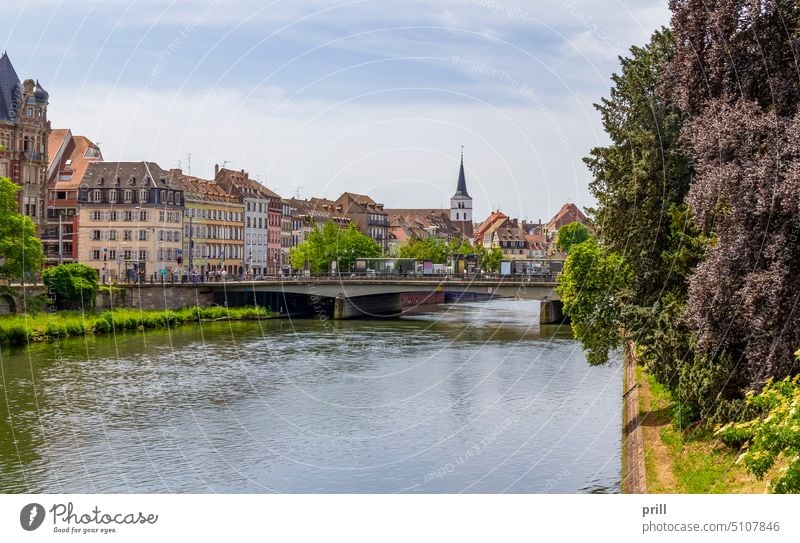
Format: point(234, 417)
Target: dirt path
point(634, 477)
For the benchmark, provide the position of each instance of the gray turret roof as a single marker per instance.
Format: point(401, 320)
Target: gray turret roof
point(10, 90)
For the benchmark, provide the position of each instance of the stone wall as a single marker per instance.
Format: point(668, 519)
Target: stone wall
point(156, 297)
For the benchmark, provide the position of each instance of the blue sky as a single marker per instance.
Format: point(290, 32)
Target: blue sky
point(317, 97)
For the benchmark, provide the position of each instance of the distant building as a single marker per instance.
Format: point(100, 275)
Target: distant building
point(367, 215)
point(262, 227)
point(461, 205)
point(408, 224)
point(310, 214)
point(69, 157)
point(24, 131)
point(213, 227)
point(130, 219)
point(568, 213)
point(485, 231)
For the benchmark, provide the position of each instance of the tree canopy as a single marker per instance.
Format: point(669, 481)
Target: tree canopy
point(589, 287)
point(734, 76)
point(328, 242)
point(571, 234)
point(73, 286)
point(436, 250)
point(20, 249)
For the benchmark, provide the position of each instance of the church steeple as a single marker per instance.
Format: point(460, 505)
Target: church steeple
point(461, 203)
point(461, 189)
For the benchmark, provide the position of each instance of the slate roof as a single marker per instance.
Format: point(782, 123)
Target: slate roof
point(10, 90)
point(461, 189)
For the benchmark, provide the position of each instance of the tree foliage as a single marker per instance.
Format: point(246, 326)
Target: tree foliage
point(328, 242)
point(639, 181)
point(589, 287)
point(72, 286)
point(773, 436)
point(20, 249)
point(490, 258)
point(571, 234)
point(436, 250)
point(734, 75)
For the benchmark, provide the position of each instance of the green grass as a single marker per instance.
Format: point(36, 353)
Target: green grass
point(20, 329)
point(699, 462)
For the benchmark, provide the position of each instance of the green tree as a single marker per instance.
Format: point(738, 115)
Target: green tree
point(20, 249)
point(73, 286)
point(571, 234)
point(328, 242)
point(433, 249)
point(490, 259)
point(773, 436)
point(590, 287)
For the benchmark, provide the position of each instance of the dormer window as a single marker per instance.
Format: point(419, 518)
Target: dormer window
point(101, 182)
point(132, 181)
point(118, 181)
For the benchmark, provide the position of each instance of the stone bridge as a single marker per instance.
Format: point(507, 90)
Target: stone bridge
point(334, 297)
point(345, 297)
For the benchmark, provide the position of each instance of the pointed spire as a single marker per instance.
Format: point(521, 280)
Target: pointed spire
point(461, 189)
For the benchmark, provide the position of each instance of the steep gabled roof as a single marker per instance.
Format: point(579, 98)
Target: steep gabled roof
point(10, 90)
point(568, 213)
point(494, 220)
point(461, 188)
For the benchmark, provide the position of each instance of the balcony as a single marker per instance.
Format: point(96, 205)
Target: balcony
point(33, 157)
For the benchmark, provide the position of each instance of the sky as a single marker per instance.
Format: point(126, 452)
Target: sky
point(314, 98)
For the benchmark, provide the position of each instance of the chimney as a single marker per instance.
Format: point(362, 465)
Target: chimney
point(216, 170)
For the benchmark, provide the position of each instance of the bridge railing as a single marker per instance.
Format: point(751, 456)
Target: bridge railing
point(359, 277)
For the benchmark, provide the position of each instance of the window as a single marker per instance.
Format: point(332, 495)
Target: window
point(112, 195)
point(95, 235)
point(95, 254)
point(170, 198)
point(127, 235)
point(128, 254)
point(143, 196)
point(177, 198)
point(142, 254)
point(128, 195)
point(112, 216)
point(97, 195)
point(163, 196)
point(142, 235)
point(97, 215)
point(30, 112)
point(143, 216)
point(128, 216)
point(112, 254)
point(160, 216)
point(112, 235)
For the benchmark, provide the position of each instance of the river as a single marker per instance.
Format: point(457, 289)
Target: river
point(466, 398)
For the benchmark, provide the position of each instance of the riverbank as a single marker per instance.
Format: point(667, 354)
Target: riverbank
point(45, 326)
point(688, 461)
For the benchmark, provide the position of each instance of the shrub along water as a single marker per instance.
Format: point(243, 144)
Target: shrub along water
point(20, 329)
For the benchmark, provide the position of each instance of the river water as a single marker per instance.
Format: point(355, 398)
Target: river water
point(467, 398)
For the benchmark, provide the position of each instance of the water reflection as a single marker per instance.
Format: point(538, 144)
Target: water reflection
point(466, 398)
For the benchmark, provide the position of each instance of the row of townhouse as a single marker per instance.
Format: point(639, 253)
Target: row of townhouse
point(125, 218)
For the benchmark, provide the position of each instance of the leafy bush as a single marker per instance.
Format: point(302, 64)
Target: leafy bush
point(773, 436)
point(73, 286)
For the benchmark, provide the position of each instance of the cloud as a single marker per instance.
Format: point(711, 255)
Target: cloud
point(321, 96)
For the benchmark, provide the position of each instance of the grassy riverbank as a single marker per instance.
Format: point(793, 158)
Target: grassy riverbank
point(20, 329)
point(690, 461)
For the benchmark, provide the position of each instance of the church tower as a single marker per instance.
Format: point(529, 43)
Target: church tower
point(461, 204)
